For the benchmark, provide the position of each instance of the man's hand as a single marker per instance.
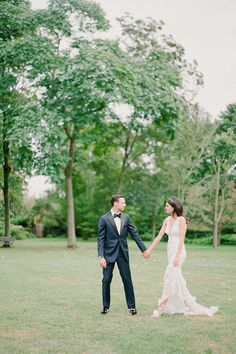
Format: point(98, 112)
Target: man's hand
point(146, 254)
point(102, 262)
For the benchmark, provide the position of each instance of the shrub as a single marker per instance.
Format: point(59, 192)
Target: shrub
point(225, 240)
point(192, 234)
point(204, 241)
point(228, 239)
point(20, 233)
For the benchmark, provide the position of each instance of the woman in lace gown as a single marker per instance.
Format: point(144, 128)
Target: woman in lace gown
point(176, 297)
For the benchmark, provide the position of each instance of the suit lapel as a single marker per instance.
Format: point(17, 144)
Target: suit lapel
point(111, 219)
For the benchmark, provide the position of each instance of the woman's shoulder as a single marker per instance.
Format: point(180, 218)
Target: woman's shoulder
point(182, 219)
point(166, 219)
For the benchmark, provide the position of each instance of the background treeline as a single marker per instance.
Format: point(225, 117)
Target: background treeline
point(100, 116)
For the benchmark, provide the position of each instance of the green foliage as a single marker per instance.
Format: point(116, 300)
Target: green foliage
point(228, 120)
point(228, 239)
point(53, 97)
point(20, 48)
point(205, 241)
point(20, 233)
point(90, 17)
point(48, 211)
point(81, 90)
point(15, 195)
point(17, 19)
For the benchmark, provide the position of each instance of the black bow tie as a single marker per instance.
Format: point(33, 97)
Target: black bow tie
point(117, 215)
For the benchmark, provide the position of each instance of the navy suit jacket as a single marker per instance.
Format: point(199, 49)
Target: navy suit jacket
point(110, 241)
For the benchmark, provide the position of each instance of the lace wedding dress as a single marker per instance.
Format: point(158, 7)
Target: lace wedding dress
point(176, 297)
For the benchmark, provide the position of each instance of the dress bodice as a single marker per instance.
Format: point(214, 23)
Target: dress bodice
point(172, 229)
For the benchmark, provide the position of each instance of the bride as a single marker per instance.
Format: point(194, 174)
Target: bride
point(176, 297)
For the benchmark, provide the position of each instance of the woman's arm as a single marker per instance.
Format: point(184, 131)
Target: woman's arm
point(182, 233)
point(159, 237)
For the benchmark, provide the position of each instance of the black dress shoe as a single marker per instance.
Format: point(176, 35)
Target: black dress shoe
point(104, 311)
point(133, 312)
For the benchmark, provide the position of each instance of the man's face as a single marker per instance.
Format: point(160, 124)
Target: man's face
point(120, 204)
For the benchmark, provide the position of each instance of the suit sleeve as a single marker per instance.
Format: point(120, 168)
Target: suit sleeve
point(133, 232)
point(101, 236)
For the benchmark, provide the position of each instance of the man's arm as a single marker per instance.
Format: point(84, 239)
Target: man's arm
point(133, 232)
point(101, 240)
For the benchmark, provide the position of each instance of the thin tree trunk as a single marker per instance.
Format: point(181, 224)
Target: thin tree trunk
point(123, 167)
point(215, 235)
point(216, 219)
point(6, 175)
point(69, 196)
point(219, 236)
point(154, 217)
point(128, 150)
point(219, 217)
point(122, 175)
point(70, 213)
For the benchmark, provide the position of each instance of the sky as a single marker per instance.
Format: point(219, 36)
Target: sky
point(207, 31)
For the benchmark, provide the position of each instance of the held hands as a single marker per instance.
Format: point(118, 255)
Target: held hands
point(146, 254)
point(102, 262)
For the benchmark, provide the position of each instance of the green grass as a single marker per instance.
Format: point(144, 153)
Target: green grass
point(50, 302)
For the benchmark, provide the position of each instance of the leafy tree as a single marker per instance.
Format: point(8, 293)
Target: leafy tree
point(154, 99)
point(223, 165)
point(153, 103)
point(77, 91)
point(20, 49)
point(214, 176)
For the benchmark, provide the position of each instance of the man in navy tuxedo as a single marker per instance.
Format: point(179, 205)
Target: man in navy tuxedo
point(113, 229)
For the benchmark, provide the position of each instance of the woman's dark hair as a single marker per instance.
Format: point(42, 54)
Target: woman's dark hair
point(177, 205)
point(115, 198)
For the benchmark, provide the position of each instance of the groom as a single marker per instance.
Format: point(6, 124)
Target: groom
point(113, 229)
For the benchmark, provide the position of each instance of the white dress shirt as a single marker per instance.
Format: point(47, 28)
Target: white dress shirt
point(117, 221)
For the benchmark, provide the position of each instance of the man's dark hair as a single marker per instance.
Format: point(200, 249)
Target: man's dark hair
point(115, 198)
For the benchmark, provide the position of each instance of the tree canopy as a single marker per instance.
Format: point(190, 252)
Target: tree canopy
point(99, 116)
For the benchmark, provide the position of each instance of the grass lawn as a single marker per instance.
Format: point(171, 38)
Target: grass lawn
point(50, 302)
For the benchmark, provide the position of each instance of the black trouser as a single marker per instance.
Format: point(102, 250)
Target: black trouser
point(124, 269)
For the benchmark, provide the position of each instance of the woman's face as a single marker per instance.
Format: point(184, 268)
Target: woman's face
point(169, 209)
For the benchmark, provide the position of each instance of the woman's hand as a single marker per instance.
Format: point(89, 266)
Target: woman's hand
point(176, 262)
point(146, 254)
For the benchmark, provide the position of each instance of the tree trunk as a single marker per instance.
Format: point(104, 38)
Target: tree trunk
point(39, 228)
point(122, 175)
point(6, 175)
point(219, 234)
point(215, 235)
point(215, 232)
point(217, 212)
point(69, 196)
point(154, 217)
point(129, 144)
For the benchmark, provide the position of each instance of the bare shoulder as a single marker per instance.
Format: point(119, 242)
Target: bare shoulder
point(182, 220)
point(166, 220)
